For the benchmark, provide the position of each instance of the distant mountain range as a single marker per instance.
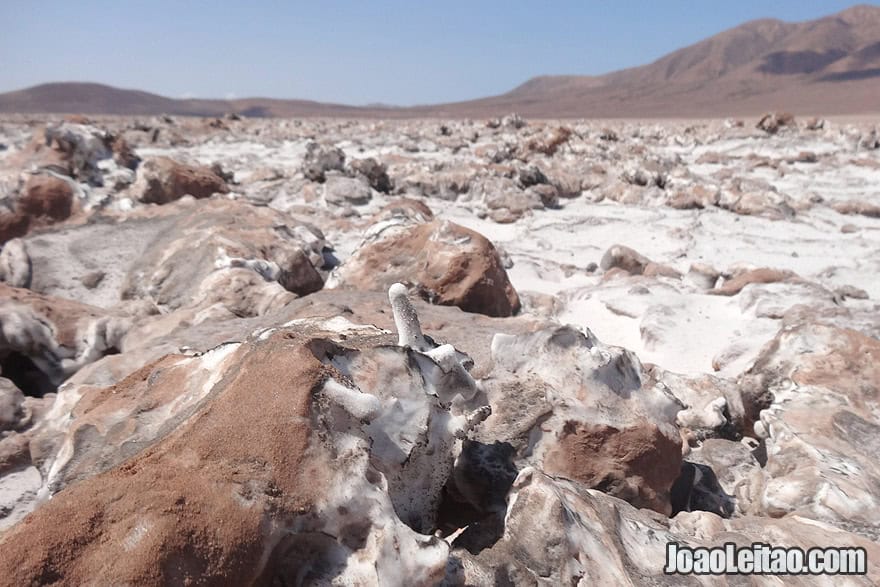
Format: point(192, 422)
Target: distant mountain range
point(824, 67)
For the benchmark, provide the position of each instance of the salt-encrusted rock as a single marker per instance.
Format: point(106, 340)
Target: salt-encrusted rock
point(321, 450)
point(444, 184)
point(208, 239)
point(376, 173)
point(713, 407)
point(815, 124)
point(15, 264)
point(339, 190)
point(625, 258)
point(702, 276)
point(318, 160)
point(694, 197)
point(585, 411)
point(161, 180)
point(820, 424)
point(42, 200)
point(69, 149)
point(446, 263)
point(48, 339)
point(551, 143)
point(772, 122)
point(559, 533)
point(766, 204)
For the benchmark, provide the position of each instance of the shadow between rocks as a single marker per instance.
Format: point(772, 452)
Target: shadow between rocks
point(698, 489)
point(475, 496)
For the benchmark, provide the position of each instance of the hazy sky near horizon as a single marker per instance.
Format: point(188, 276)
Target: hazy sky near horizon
point(389, 51)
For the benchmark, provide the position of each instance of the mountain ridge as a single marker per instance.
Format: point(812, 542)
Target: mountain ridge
point(825, 66)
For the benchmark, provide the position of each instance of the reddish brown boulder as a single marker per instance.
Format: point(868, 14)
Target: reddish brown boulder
point(144, 522)
point(161, 180)
point(43, 200)
point(447, 264)
point(46, 198)
point(635, 464)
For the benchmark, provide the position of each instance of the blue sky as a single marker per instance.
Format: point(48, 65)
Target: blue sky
point(389, 51)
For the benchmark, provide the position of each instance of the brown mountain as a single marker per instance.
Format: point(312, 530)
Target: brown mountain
point(825, 66)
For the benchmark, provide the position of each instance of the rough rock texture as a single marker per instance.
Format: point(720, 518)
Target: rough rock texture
point(559, 533)
point(43, 339)
point(584, 411)
point(319, 160)
point(199, 406)
point(211, 248)
point(308, 469)
point(339, 190)
point(42, 200)
point(68, 148)
point(819, 424)
point(161, 180)
point(446, 263)
point(375, 173)
point(772, 122)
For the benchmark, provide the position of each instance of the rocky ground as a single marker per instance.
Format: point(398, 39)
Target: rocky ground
point(621, 334)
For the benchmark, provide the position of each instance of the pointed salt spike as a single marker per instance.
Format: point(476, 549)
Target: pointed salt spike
point(409, 331)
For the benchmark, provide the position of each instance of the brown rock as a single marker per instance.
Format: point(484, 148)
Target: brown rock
point(92, 279)
point(857, 207)
point(42, 200)
point(145, 522)
point(549, 145)
point(46, 198)
point(738, 282)
point(376, 174)
point(123, 154)
point(448, 265)
point(694, 197)
point(161, 180)
point(635, 464)
point(408, 207)
point(622, 257)
point(772, 122)
point(589, 412)
point(298, 274)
